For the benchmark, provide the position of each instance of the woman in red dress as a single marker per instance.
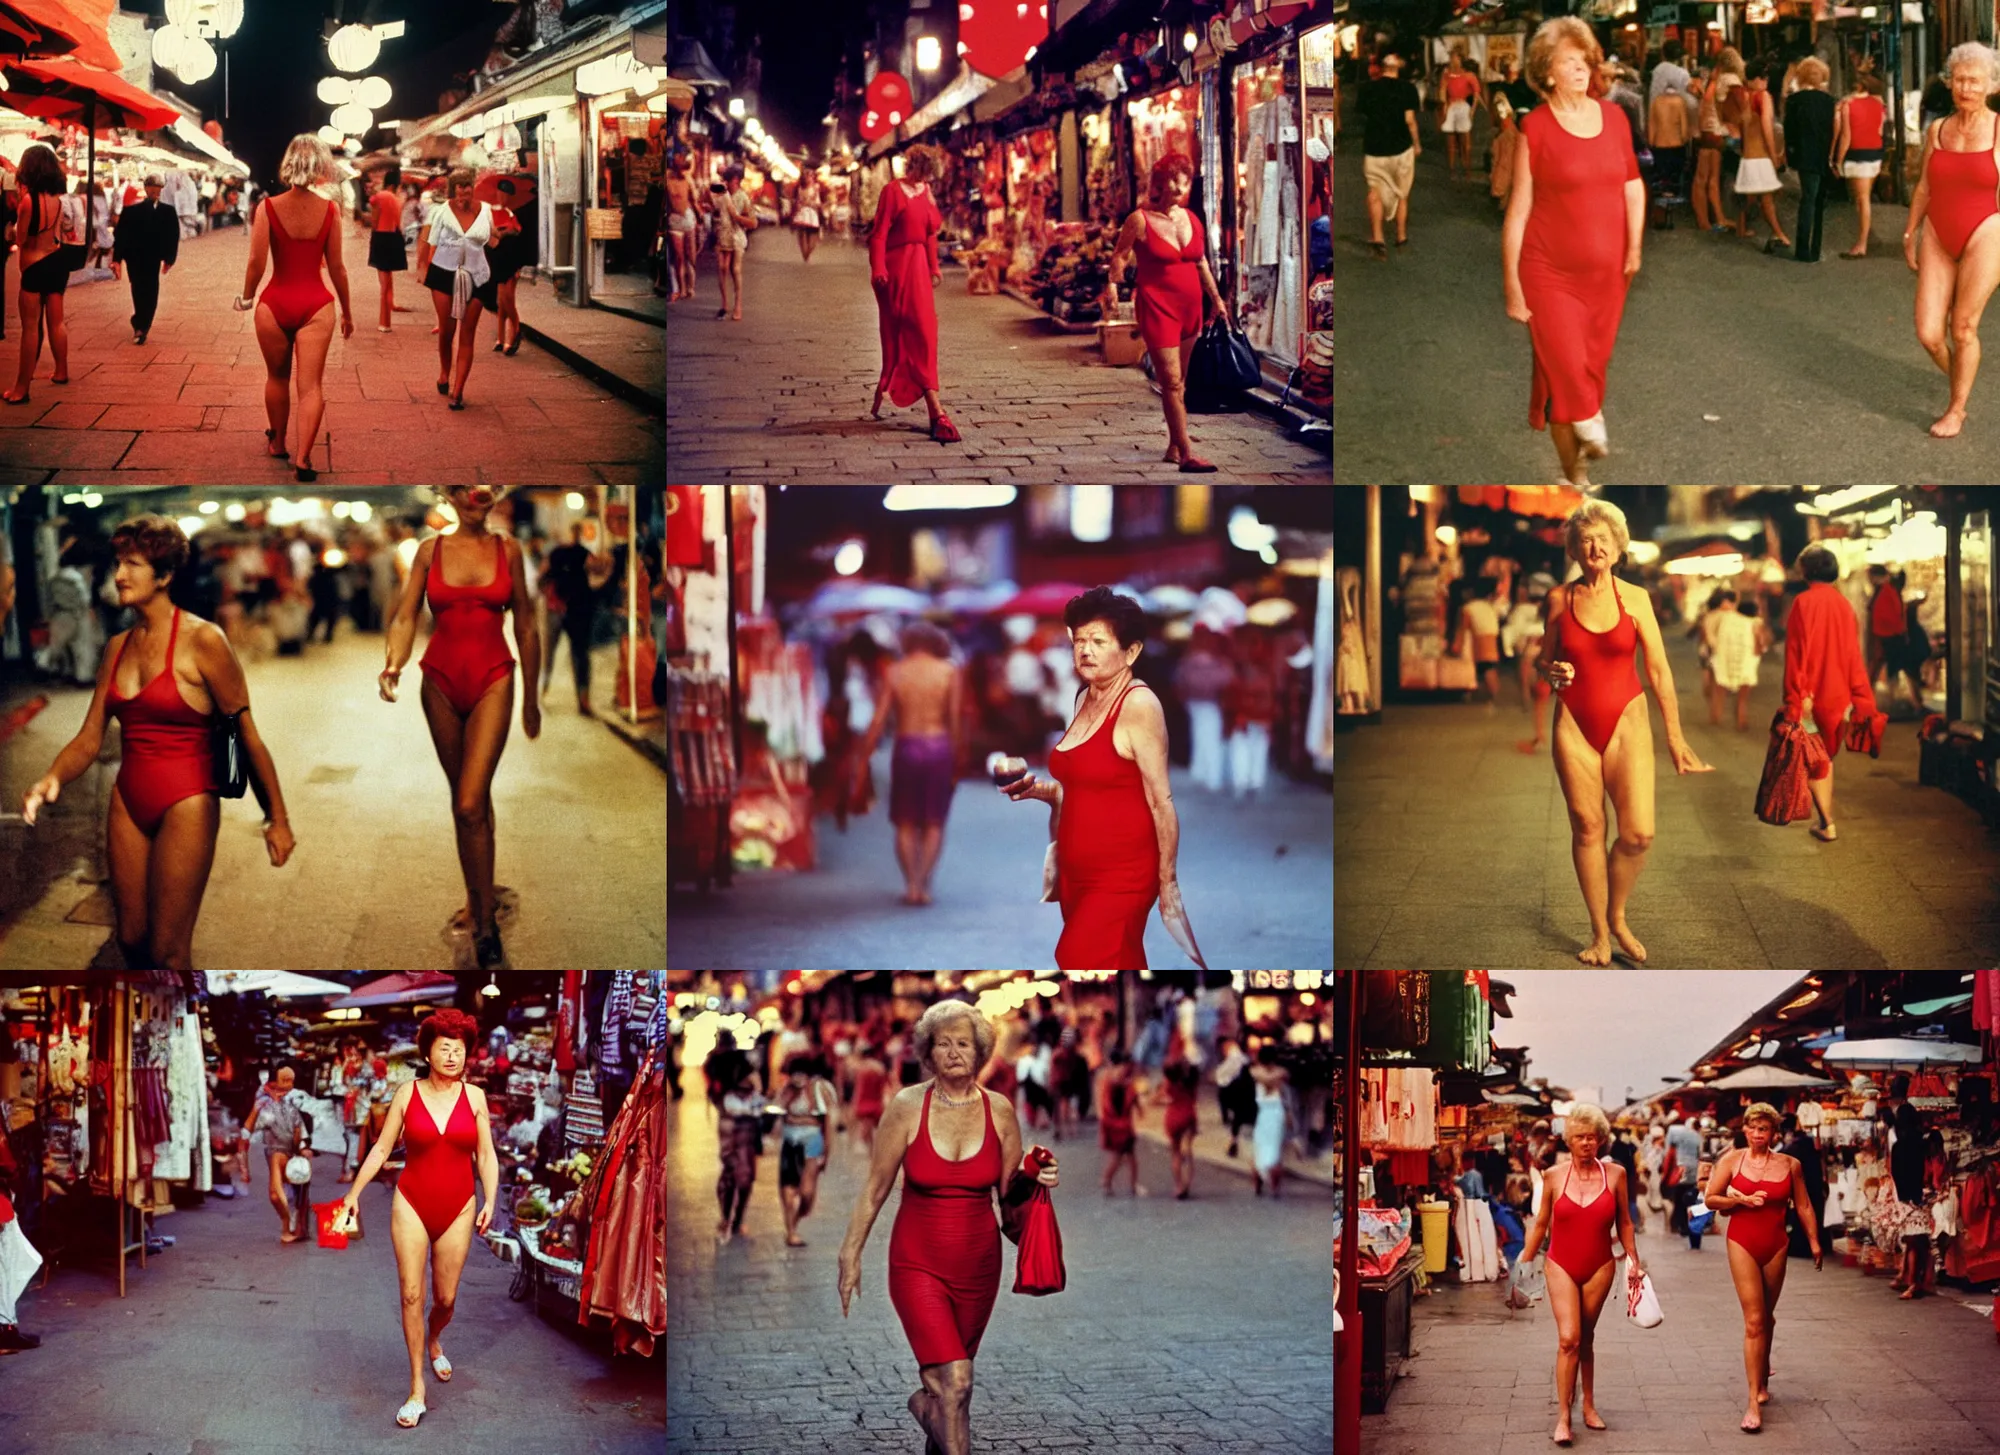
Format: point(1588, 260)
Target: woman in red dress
point(1117, 835)
point(903, 266)
point(1824, 676)
point(1173, 280)
point(1754, 1184)
point(1570, 245)
point(957, 1144)
point(1180, 1079)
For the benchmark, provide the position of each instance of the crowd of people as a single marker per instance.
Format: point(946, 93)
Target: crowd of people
point(1613, 145)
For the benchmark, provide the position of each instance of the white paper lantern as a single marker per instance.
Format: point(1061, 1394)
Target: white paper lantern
point(167, 43)
point(353, 118)
point(354, 48)
point(335, 90)
point(333, 136)
point(372, 92)
point(197, 60)
point(227, 17)
point(183, 13)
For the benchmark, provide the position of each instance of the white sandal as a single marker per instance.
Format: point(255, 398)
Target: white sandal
point(441, 1367)
point(412, 1411)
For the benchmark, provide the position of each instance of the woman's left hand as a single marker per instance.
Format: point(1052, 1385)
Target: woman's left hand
point(936, 278)
point(279, 843)
point(1685, 759)
point(1632, 263)
point(531, 718)
point(1635, 1272)
point(1047, 1176)
point(347, 325)
point(482, 1220)
point(1818, 1254)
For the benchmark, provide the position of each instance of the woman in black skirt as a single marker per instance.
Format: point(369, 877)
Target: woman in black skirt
point(452, 259)
point(386, 252)
point(510, 251)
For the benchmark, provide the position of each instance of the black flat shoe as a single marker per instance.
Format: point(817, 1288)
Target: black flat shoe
point(443, 388)
point(487, 948)
point(456, 404)
point(271, 434)
point(305, 475)
point(515, 347)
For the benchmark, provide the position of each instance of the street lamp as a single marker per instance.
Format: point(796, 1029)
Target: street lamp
point(736, 107)
point(930, 55)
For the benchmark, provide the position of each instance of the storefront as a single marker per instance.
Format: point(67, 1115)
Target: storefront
point(1267, 159)
point(703, 742)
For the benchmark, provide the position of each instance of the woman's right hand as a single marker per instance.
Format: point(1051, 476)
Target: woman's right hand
point(1517, 306)
point(850, 1278)
point(1560, 674)
point(1910, 250)
point(1030, 787)
point(46, 791)
point(387, 682)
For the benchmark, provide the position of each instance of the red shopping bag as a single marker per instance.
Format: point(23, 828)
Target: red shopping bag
point(1794, 757)
point(1038, 1265)
point(1864, 734)
point(324, 1214)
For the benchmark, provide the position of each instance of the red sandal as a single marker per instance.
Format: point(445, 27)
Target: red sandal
point(944, 431)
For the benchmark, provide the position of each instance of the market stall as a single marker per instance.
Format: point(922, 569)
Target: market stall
point(702, 740)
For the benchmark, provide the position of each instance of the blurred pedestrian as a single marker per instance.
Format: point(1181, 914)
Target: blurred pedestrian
point(1740, 641)
point(1180, 1079)
point(1476, 631)
point(806, 1141)
point(577, 576)
point(806, 204)
point(1809, 144)
point(1824, 676)
point(1202, 676)
point(453, 264)
point(1035, 1070)
point(1388, 106)
point(1626, 1155)
point(1458, 93)
point(1268, 1140)
point(1857, 149)
point(1522, 634)
point(388, 255)
point(278, 1126)
point(354, 1085)
point(148, 242)
point(324, 585)
point(732, 1086)
point(7, 186)
point(684, 204)
point(1885, 623)
point(18, 1260)
point(39, 209)
point(1117, 1106)
point(1800, 1147)
point(871, 1076)
point(1506, 147)
point(925, 690)
point(734, 217)
point(1236, 1092)
point(511, 250)
point(1250, 704)
point(1652, 1161)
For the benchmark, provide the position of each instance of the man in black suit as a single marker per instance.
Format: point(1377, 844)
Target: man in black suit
point(149, 235)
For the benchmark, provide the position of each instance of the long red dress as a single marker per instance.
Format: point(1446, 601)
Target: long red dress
point(1573, 260)
point(1168, 298)
point(944, 1251)
point(902, 256)
point(1823, 662)
point(1107, 855)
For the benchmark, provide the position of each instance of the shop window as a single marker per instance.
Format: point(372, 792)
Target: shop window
point(1270, 273)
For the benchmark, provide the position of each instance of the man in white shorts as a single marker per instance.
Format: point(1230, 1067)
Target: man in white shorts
point(1388, 109)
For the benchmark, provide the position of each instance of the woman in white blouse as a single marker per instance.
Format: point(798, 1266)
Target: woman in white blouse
point(453, 263)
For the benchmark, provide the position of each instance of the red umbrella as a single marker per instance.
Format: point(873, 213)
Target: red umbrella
point(57, 30)
point(505, 189)
point(1047, 599)
point(67, 90)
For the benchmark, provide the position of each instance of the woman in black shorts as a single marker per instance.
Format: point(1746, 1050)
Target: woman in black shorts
point(38, 197)
point(452, 259)
point(510, 251)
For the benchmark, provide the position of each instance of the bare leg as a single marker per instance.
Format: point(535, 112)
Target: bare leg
point(178, 877)
point(52, 307)
point(789, 1196)
point(809, 1185)
point(469, 750)
point(30, 305)
point(446, 332)
point(1173, 401)
point(1568, 453)
point(1742, 709)
point(906, 859)
point(279, 1199)
point(1566, 1303)
point(447, 1262)
point(387, 281)
point(1581, 773)
point(1628, 778)
point(276, 347)
point(130, 852)
point(930, 844)
point(952, 1401)
point(1374, 216)
point(468, 335)
point(736, 272)
point(413, 1245)
point(311, 345)
point(1749, 1281)
point(1822, 797)
point(1592, 1295)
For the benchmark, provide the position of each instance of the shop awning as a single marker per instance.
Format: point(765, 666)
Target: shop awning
point(57, 30)
point(278, 984)
point(1905, 1053)
point(68, 90)
point(186, 132)
point(1758, 1078)
point(403, 988)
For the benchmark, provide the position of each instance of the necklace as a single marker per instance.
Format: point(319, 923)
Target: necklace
point(941, 1099)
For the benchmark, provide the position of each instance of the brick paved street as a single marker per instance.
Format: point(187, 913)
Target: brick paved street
point(187, 408)
point(1198, 1328)
point(228, 1344)
point(1853, 1368)
point(1454, 851)
point(784, 394)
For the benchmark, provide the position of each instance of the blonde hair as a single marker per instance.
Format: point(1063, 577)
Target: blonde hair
point(1731, 61)
point(1550, 37)
point(1595, 512)
point(1583, 1117)
point(1763, 1111)
point(1812, 71)
point(307, 161)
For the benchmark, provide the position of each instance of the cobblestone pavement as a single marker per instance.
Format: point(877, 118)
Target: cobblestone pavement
point(1731, 367)
point(784, 394)
point(228, 1344)
point(1852, 1368)
point(186, 407)
point(846, 913)
point(1197, 1328)
point(1721, 890)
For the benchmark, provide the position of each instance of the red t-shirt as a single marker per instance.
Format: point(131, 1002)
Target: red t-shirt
point(1885, 614)
point(387, 205)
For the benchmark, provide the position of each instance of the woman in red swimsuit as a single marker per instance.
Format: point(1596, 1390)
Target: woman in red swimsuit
point(1753, 1185)
point(1173, 281)
point(1583, 1200)
point(295, 233)
point(1179, 1081)
point(955, 1142)
point(1117, 835)
point(444, 1126)
point(164, 680)
point(903, 266)
point(471, 578)
point(1603, 737)
point(1570, 245)
point(1958, 262)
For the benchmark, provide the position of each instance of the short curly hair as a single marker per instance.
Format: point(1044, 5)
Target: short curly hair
point(160, 542)
point(450, 1025)
point(1550, 37)
point(1125, 617)
point(1763, 1111)
point(1818, 564)
point(1173, 164)
point(1584, 1117)
point(922, 163)
point(925, 1033)
point(1595, 512)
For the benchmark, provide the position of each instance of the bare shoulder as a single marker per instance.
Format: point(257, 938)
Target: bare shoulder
point(1636, 598)
point(1142, 706)
point(909, 1098)
point(403, 1094)
point(1004, 1116)
point(477, 1096)
point(205, 637)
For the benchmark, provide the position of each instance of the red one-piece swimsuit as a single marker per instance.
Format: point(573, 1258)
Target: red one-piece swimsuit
point(468, 651)
point(1572, 265)
point(296, 292)
point(437, 1161)
point(167, 752)
point(1607, 674)
point(1107, 854)
point(1759, 1231)
point(1580, 1235)
point(944, 1252)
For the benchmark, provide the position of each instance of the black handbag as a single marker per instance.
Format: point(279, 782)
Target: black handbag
point(1222, 364)
point(226, 751)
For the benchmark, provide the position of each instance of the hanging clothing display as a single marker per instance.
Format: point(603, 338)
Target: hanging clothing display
point(704, 768)
point(1399, 1108)
point(1975, 1253)
point(625, 1197)
point(1352, 680)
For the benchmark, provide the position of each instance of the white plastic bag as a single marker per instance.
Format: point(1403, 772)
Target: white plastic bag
point(1832, 1216)
point(1642, 1305)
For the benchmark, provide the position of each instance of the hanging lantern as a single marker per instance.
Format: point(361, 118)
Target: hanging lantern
point(183, 13)
point(213, 128)
point(1000, 36)
point(890, 93)
point(353, 118)
point(874, 125)
point(167, 43)
point(197, 60)
point(354, 48)
point(335, 90)
point(372, 92)
point(333, 136)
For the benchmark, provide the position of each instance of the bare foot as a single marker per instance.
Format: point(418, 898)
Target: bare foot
point(722, 1237)
point(1529, 746)
point(1826, 835)
point(1592, 1420)
point(1597, 952)
point(1948, 424)
point(1753, 1420)
point(910, 897)
point(1562, 1434)
point(1628, 942)
point(737, 316)
point(1763, 1396)
point(793, 1240)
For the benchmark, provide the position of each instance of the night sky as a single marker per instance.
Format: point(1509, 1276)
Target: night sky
point(277, 59)
point(803, 41)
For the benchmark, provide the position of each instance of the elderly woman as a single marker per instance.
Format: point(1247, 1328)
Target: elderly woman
point(957, 1144)
point(903, 267)
point(1958, 261)
point(1825, 679)
point(1570, 245)
point(1604, 735)
point(1118, 843)
point(1582, 1200)
point(1753, 1185)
